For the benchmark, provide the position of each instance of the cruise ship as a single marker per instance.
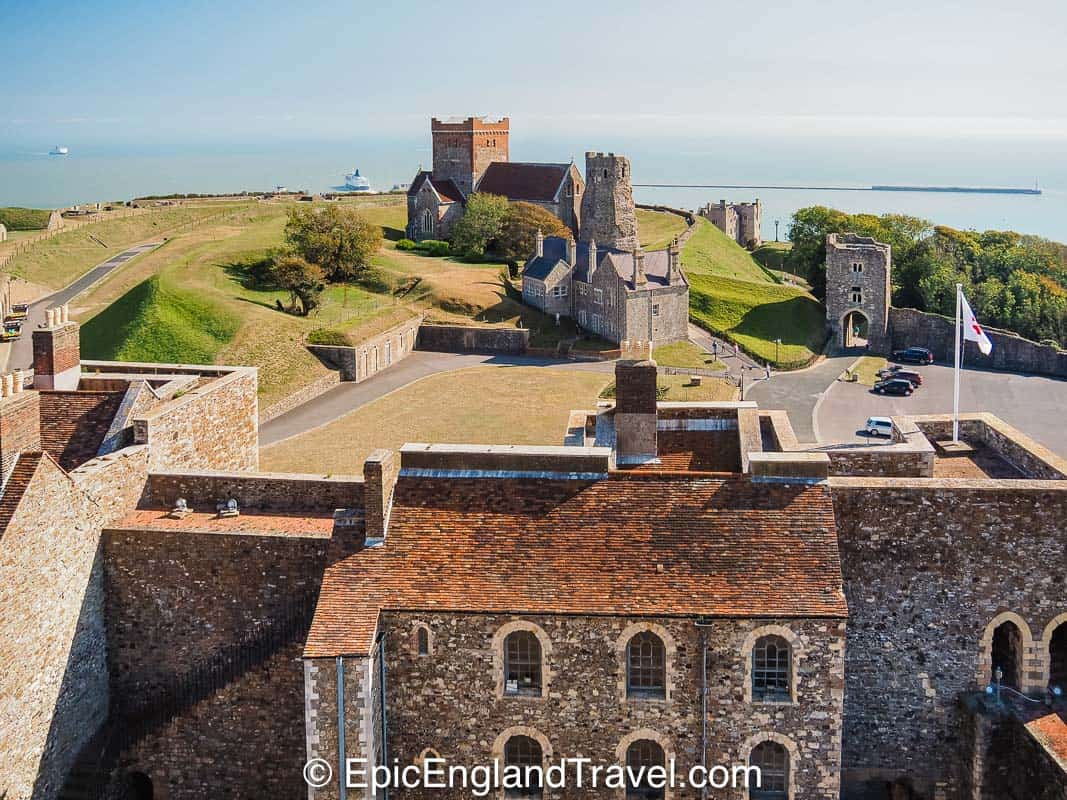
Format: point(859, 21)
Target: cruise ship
point(356, 182)
point(59, 150)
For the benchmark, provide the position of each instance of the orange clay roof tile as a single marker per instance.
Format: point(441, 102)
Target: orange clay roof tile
point(635, 544)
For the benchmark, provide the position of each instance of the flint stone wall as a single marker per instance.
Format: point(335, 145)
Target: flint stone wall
point(466, 339)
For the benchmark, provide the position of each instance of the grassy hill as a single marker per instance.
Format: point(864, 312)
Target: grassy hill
point(709, 251)
point(159, 321)
point(24, 219)
point(655, 229)
point(753, 315)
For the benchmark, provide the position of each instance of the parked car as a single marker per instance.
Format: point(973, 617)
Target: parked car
point(889, 372)
point(19, 311)
point(894, 386)
point(914, 355)
point(879, 426)
point(906, 374)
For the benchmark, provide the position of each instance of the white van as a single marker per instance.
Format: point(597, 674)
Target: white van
point(879, 426)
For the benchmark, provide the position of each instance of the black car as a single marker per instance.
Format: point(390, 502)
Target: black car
point(914, 355)
point(894, 386)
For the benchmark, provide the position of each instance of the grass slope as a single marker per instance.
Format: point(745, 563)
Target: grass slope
point(57, 261)
point(754, 314)
point(158, 321)
point(685, 355)
point(709, 251)
point(656, 229)
point(24, 219)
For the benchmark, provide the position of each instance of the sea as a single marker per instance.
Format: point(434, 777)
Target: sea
point(106, 170)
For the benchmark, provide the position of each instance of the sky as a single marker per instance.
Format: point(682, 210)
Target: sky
point(231, 70)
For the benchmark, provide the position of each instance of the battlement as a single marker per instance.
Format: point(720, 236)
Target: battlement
point(470, 124)
point(854, 241)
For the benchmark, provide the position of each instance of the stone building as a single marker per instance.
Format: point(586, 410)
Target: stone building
point(3, 232)
point(742, 222)
point(678, 582)
point(858, 291)
point(472, 155)
point(608, 213)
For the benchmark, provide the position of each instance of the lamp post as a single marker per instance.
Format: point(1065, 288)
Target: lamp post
point(777, 344)
point(776, 230)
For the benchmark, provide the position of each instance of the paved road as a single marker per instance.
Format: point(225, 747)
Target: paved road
point(799, 392)
point(734, 360)
point(349, 396)
point(20, 353)
point(1035, 404)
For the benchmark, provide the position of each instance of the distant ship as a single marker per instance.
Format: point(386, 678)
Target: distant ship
point(59, 150)
point(356, 183)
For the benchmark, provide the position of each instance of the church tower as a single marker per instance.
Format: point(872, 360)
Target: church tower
point(462, 149)
point(608, 214)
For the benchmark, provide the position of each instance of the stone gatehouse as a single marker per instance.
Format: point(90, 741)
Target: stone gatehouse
point(858, 291)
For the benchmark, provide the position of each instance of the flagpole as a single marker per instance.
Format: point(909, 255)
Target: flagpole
point(956, 376)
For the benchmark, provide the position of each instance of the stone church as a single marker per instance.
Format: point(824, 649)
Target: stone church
point(605, 282)
point(472, 155)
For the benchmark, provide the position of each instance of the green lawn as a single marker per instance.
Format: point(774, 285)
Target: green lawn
point(753, 315)
point(867, 369)
point(685, 355)
point(680, 388)
point(656, 229)
point(709, 251)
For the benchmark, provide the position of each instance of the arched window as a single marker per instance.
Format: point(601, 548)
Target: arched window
point(1007, 654)
point(523, 752)
point(422, 641)
point(771, 670)
point(772, 759)
point(641, 756)
point(1057, 656)
point(646, 666)
point(522, 663)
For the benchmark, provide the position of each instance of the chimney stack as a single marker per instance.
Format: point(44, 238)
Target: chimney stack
point(592, 259)
point(572, 251)
point(57, 352)
point(640, 279)
point(673, 260)
point(539, 244)
point(635, 411)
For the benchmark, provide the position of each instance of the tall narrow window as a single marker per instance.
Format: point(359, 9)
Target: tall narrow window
point(646, 666)
point(1057, 654)
point(522, 752)
point(771, 670)
point(772, 759)
point(522, 664)
point(422, 641)
point(857, 294)
point(641, 756)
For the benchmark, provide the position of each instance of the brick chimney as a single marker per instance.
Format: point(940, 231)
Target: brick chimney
point(57, 352)
point(379, 479)
point(20, 422)
point(539, 244)
point(635, 411)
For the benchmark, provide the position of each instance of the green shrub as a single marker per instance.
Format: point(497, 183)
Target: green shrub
point(406, 244)
point(24, 219)
point(437, 248)
point(330, 337)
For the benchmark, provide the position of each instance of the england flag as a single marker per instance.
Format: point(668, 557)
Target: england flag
point(972, 331)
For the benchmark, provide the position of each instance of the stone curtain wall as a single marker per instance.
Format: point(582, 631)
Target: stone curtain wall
point(262, 490)
point(450, 700)
point(1030, 458)
point(911, 328)
point(928, 564)
point(891, 461)
point(298, 398)
point(465, 339)
point(214, 426)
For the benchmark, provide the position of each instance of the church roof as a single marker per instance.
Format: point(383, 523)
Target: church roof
point(517, 180)
point(555, 251)
point(630, 544)
point(447, 191)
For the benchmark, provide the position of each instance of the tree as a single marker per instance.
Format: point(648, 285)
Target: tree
point(518, 235)
point(477, 230)
point(337, 239)
point(303, 280)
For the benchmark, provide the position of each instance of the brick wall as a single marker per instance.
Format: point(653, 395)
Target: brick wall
point(450, 700)
point(911, 328)
point(467, 339)
point(214, 426)
point(20, 428)
point(261, 490)
point(928, 565)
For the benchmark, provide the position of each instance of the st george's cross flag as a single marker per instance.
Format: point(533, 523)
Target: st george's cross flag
point(972, 331)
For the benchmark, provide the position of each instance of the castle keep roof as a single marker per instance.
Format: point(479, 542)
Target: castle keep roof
point(516, 180)
point(628, 544)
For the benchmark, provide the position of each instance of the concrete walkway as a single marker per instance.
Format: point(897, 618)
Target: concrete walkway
point(19, 354)
point(732, 358)
point(347, 397)
point(799, 393)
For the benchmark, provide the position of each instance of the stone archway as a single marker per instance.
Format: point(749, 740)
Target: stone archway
point(855, 329)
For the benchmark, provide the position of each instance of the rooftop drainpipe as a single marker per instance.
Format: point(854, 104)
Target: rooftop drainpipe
point(342, 761)
point(703, 624)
